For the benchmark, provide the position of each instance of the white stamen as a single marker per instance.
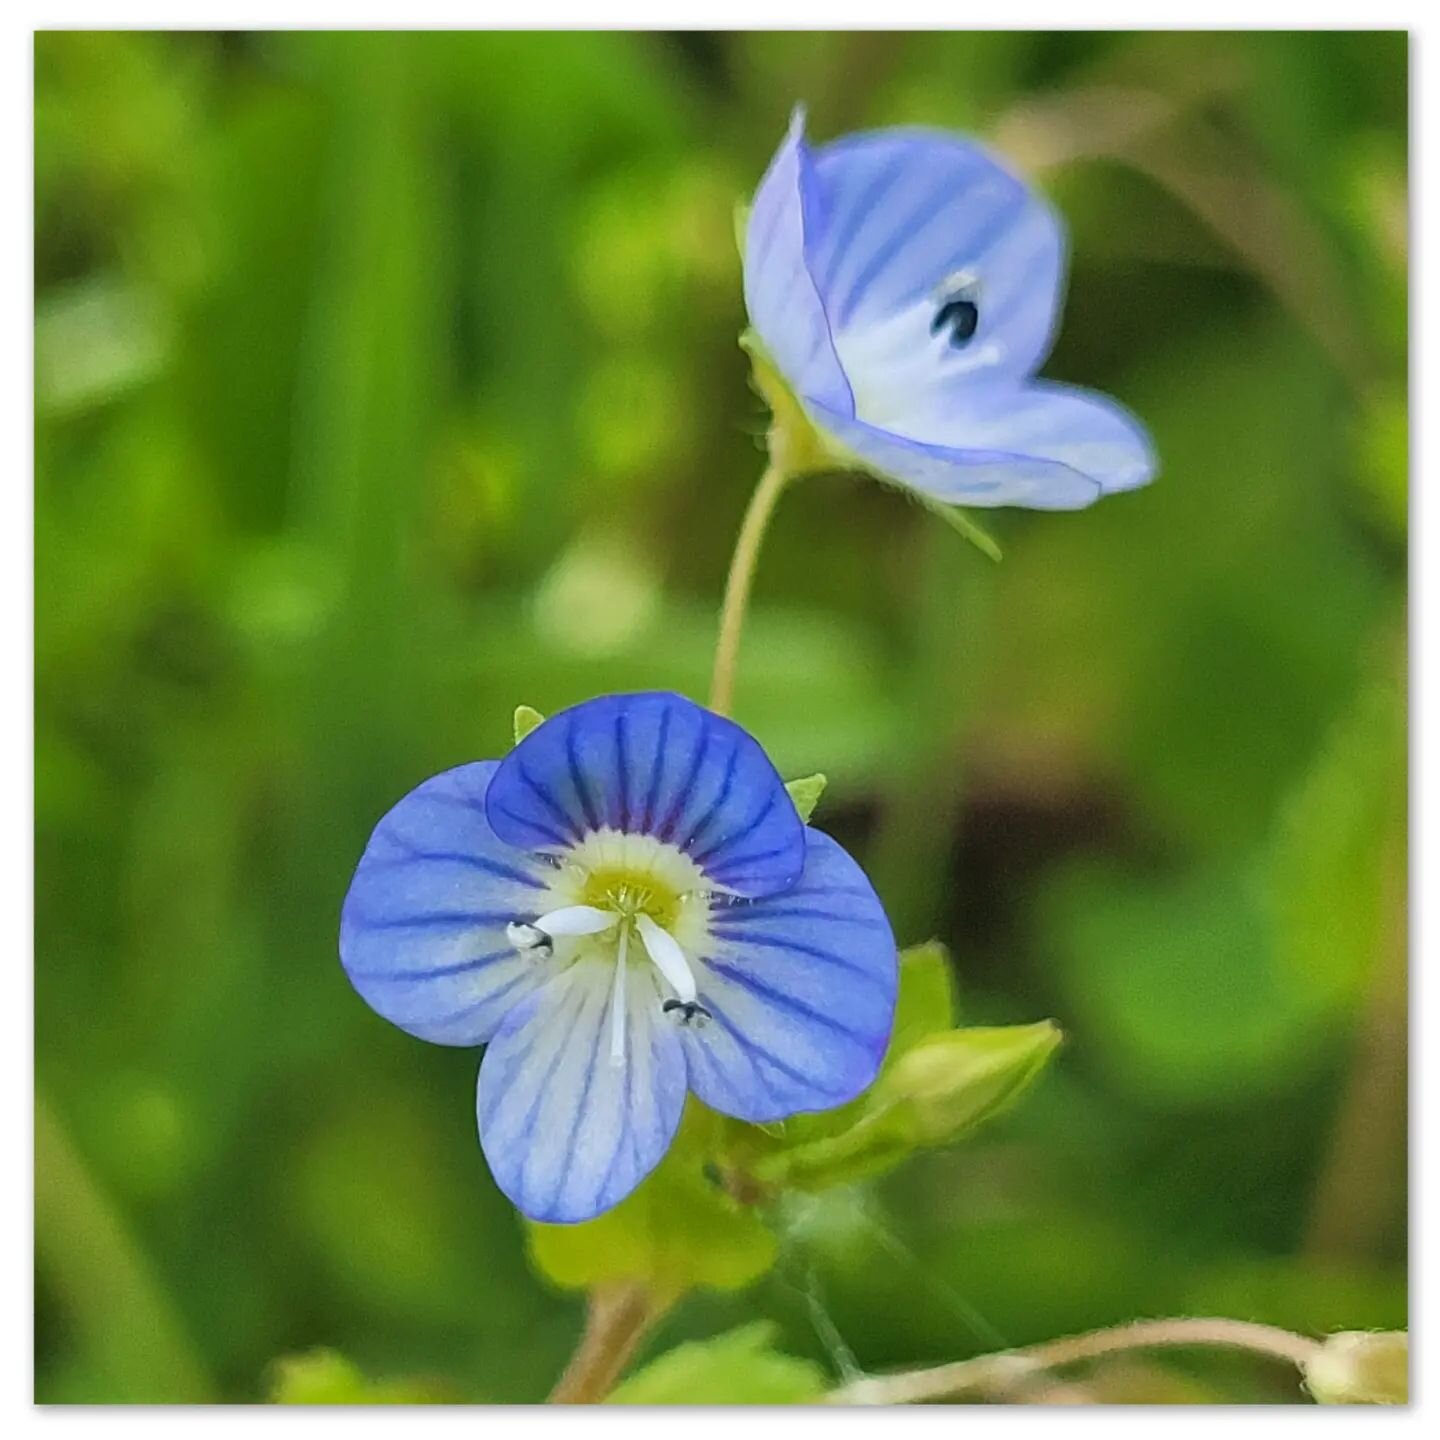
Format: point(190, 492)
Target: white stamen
point(669, 958)
point(576, 920)
point(617, 1002)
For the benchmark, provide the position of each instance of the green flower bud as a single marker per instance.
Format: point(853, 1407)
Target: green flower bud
point(950, 1083)
point(1361, 1367)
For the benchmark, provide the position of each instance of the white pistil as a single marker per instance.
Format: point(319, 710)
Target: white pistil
point(669, 958)
point(617, 1001)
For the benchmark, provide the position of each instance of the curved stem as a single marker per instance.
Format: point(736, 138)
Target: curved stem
point(615, 1324)
point(738, 583)
point(991, 1372)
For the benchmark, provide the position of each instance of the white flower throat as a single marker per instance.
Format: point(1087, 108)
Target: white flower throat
point(618, 897)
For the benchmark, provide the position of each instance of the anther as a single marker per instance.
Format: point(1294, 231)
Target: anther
point(958, 296)
point(961, 318)
point(691, 1011)
point(531, 938)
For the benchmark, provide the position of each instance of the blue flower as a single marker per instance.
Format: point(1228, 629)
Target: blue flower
point(626, 908)
point(907, 287)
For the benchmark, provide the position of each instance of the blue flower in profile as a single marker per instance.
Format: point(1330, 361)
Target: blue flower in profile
point(625, 908)
point(906, 288)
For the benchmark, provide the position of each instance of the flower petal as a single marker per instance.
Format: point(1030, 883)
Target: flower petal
point(422, 930)
point(1047, 447)
point(653, 764)
point(800, 989)
point(566, 1132)
point(903, 213)
point(780, 294)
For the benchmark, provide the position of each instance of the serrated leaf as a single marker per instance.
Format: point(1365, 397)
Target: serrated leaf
point(678, 1230)
point(806, 794)
point(526, 720)
point(936, 1092)
point(741, 1367)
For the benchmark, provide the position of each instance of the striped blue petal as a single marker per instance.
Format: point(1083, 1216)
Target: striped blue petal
point(422, 930)
point(903, 213)
point(1043, 446)
point(939, 276)
point(567, 1131)
point(653, 764)
point(801, 989)
point(780, 293)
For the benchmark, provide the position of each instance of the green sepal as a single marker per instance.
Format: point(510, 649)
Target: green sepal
point(806, 794)
point(740, 1367)
point(960, 522)
point(526, 719)
point(796, 446)
point(741, 216)
point(678, 1230)
point(800, 448)
point(926, 1003)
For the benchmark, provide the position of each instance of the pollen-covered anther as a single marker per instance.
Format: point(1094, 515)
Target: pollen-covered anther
point(691, 1012)
point(529, 938)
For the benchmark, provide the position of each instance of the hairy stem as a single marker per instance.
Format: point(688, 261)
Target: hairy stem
point(997, 1373)
point(615, 1323)
point(737, 586)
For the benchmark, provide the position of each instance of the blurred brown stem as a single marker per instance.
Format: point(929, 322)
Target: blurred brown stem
point(615, 1323)
point(992, 1374)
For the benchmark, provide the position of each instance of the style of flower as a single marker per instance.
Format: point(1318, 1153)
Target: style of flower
point(906, 287)
point(625, 908)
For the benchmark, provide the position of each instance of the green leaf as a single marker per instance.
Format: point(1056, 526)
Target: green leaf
point(1382, 454)
point(1337, 864)
point(1360, 1367)
point(741, 1367)
point(526, 719)
point(325, 1377)
point(678, 1230)
point(806, 794)
point(938, 1090)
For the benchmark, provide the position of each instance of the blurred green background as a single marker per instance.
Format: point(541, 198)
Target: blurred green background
point(384, 382)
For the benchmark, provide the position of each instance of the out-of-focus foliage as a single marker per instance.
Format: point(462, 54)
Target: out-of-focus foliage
point(324, 1378)
point(385, 382)
point(741, 1367)
point(676, 1231)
